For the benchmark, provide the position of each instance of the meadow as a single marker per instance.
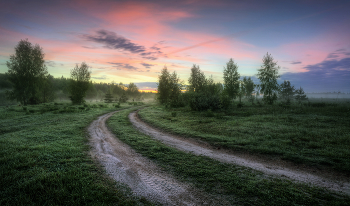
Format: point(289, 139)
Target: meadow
point(316, 133)
point(235, 184)
point(44, 152)
point(44, 157)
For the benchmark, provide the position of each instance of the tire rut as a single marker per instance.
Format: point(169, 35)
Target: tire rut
point(144, 178)
point(340, 184)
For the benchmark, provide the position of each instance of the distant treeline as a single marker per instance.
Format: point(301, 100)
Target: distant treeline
point(96, 91)
point(203, 94)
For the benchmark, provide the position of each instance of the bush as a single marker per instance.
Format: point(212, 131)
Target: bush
point(321, 104)
point(173, 114)
point(209, 113)
point(204, 101)
point(123, 99)
point(226, 101)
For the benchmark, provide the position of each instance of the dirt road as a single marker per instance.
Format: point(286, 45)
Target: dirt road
point(143, 177)
point(278, 168)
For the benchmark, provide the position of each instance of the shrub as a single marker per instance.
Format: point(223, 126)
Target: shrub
point(226, 101)
point(209, 113)
point(318, 104)
point(204, 101)
point(173, 114)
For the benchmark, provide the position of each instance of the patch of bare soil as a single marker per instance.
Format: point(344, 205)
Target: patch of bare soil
point(143, 177)
point(282, 169)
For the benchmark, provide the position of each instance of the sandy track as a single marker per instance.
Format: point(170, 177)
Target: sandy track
point(279, 169)
point(143, 177)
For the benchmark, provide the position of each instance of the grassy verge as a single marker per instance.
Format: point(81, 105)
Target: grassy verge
point(241, 186)
point(317, 135)
point(44, 158)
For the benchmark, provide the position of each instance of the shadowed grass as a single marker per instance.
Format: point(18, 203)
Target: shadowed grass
point(44, 158)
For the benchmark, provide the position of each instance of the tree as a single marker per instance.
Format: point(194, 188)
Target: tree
point(300, 95)
point(196, 80)
point(169, 88)
point(268, 75)
point(5, 82)
point(231, 79)
point(132, 90)
point(48, 90)
point(79, 84)
point(26, 72)
point(286, 92)
point(123, 98)
point(108, 98)
point(257, 91)
point(175, 90)
point(241, 90)
point(248, 88)
point(204, 94)
point(164, 88)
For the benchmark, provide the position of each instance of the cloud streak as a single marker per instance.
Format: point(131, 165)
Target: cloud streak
point(147, 65)
point(112, 40)
point(123, 66)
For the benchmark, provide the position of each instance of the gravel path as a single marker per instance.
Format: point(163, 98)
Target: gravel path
point(279, 168)
point(143, 177)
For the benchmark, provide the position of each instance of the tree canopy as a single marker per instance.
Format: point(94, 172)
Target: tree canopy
point(27, 73)
point(79, 84)
point(169, 87)
point(196, 80)
point(286, 92)
point(248, 88)
point(300, 95)
point(268, 75)
point(231, 79)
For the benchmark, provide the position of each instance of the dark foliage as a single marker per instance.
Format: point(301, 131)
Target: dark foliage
point(79, 84)
point(27, 73)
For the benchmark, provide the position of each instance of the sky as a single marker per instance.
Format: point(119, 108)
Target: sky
point(132, 41)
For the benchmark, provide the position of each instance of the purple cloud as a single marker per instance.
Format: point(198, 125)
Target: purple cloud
point(330, 73)
point(120, 66)
point(112, 40)
point(147, 65)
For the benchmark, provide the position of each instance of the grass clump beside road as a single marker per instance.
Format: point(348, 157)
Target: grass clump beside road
point(44, 158)
point(317, 134)
point(239, 185)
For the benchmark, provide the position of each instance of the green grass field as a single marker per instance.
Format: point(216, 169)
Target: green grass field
point(317, 134)
point(44, 158)
point(239, 185)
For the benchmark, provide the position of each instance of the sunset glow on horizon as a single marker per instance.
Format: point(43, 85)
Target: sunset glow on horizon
point(131, 41)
